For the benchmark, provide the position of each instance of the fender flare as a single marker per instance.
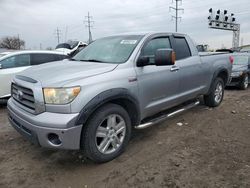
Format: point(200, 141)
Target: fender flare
point(216, 74)
point(105, 97)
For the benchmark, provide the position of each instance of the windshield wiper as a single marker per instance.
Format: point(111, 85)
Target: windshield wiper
point(72, 59)
point(92, 60)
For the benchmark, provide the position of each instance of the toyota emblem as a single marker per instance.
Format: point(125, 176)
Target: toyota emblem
point(20, 95)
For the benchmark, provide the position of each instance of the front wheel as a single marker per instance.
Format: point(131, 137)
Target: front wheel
point(215, 97)
point(244, 82)
point(106, 134)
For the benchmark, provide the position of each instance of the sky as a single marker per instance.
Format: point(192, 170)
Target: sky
point(36, 21)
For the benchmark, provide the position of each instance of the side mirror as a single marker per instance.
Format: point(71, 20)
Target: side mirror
point(142, 61)
point(164, 57)
point(0, 66)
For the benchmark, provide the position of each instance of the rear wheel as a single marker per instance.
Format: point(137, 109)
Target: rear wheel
point(215, 97)
point(107, 133)
point(244, 82)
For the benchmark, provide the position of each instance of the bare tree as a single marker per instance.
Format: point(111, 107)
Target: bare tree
point(12, 43)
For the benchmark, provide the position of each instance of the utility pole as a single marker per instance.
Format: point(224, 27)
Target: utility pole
point(89, 25)
point(176, 9)
point(58, 35)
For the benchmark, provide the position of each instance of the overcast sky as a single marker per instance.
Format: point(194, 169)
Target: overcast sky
point(36, 20)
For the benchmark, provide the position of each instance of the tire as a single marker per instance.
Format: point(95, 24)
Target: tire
point(244, 82)
point(215, 97)
point(101, 141)
point(3, 102)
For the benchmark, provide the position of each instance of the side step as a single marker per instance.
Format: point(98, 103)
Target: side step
point(166, 116)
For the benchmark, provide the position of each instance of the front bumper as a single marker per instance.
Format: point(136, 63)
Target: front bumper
point(235, 81)
point(38, 128)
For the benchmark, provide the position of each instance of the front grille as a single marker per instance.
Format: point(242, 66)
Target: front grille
point(23, 96)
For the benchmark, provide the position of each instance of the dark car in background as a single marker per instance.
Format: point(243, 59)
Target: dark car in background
point(241, 70)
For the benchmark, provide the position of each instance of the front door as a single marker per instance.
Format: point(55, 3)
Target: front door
point(158, 85)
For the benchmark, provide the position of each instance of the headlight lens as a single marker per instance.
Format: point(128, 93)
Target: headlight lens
point(60, 95)
point(236, 74)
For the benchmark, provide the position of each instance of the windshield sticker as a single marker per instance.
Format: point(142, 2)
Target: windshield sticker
point(128, 41)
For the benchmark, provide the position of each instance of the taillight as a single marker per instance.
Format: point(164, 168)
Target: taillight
point(231, 59)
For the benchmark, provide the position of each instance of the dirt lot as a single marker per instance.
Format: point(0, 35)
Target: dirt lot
point(211, 149)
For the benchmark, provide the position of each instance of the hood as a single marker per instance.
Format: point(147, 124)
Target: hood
point(56, 74)
point(237, 68)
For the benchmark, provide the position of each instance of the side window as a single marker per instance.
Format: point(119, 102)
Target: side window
point(181, 49)
point(16, 61)
point(37, 59)
point(152, 46)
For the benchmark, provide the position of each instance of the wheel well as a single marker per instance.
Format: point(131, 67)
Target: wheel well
point(224, 76)
point(130, 107)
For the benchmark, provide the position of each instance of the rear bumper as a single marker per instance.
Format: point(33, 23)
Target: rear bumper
point(30, 127)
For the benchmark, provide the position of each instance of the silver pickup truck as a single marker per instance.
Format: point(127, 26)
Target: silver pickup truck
point(95, 100)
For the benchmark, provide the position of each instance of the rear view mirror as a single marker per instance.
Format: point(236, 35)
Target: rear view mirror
point(164, 57)
point(142, 61)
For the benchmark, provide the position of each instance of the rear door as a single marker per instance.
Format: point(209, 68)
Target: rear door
point(190, 69)
point(158, 85)
point(10, 66)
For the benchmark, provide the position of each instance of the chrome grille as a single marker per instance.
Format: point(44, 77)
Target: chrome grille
point(23, 96)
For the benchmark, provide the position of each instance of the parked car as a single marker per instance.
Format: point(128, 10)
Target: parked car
point(14, 62)
point(4, 53)
point(115, 84)
point(71, 48)
point(241, 70)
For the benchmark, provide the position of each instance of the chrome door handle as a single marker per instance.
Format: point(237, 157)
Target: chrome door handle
point(174, 68)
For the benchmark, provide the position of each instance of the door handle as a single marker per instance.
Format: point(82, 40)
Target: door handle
point(174, 68)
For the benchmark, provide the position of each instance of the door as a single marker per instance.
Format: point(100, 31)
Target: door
point(158, 85)
point(190, 70)
point(10, 67)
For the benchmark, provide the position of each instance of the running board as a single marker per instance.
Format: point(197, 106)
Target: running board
point(166, 116)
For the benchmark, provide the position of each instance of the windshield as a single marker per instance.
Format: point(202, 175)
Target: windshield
point(109, 50)
point(240, 60)
point(63, 45)
point(73, 44)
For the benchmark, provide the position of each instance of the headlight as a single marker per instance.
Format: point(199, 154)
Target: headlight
point(236, 74)
point(60, 95)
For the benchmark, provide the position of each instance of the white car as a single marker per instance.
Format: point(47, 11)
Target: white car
point(12, 63)
point(4, 53)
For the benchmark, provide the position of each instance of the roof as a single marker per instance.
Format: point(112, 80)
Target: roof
point(31, 52)
point(34, 51)
point(148, 33)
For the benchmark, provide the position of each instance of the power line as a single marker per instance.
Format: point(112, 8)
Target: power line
point(58, 35)
point(89, 22)
point(176, 9)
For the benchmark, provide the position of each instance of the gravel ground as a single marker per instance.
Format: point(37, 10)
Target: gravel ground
point(200, 148)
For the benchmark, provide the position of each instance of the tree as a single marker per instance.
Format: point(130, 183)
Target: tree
point(13, 43)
